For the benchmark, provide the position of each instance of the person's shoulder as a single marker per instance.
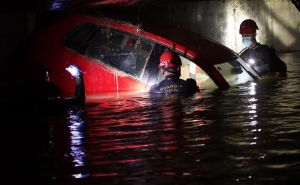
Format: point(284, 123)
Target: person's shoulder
point(155, 88)
point(192, 85)
point(182, 81)
point(244, 52)
point(266, 47)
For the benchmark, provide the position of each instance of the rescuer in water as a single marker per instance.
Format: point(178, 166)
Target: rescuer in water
point(44, 93)
point(261, 57)
point(170, 64)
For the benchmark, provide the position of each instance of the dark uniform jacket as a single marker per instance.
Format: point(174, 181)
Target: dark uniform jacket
point(266, 59)
point(174, 85)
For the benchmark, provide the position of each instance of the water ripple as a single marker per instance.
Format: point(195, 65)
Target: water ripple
point(247, 134)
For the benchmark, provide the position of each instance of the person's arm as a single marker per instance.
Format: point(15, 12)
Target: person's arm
point(277, 64)
point(79, 97)
point(192, 85)
point(79, 89)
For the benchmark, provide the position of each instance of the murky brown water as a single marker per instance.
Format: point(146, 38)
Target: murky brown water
point(245, 135)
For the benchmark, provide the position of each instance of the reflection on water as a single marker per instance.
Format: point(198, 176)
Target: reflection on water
point(245, 135)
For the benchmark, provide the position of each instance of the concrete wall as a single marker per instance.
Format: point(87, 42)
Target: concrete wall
point(278, 20)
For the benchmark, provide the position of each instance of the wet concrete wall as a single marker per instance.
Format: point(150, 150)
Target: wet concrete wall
point(278, 20)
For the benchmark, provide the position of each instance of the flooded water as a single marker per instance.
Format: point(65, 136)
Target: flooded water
point(249, 134)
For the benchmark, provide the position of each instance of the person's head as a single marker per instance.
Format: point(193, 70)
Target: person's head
point(248, 31)
point(170, 63)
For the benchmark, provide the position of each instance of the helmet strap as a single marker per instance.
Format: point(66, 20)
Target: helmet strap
point(170, 70)
point(172, 76)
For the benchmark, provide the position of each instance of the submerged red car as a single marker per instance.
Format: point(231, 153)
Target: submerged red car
point(117, 56)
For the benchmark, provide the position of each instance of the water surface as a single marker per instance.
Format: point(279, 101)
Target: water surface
point(248, 134)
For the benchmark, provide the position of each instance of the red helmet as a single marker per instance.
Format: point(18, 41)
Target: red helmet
point(248, 26)
point(170, 62)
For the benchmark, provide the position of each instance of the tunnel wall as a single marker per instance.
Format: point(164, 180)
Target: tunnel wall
point(278, 20)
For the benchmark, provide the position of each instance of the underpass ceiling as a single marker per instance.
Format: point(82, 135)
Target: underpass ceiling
point(133, 2)
point(65, 4)
point(40, 5)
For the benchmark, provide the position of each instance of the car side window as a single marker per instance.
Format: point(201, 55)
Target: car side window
point(125, 52)
point(191, 70)
point(76, 38)
point(233, 72)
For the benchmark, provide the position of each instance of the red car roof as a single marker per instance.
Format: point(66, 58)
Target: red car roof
point(207, 50)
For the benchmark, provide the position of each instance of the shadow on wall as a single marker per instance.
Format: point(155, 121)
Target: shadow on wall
point(190, 15)
point(279, 20)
